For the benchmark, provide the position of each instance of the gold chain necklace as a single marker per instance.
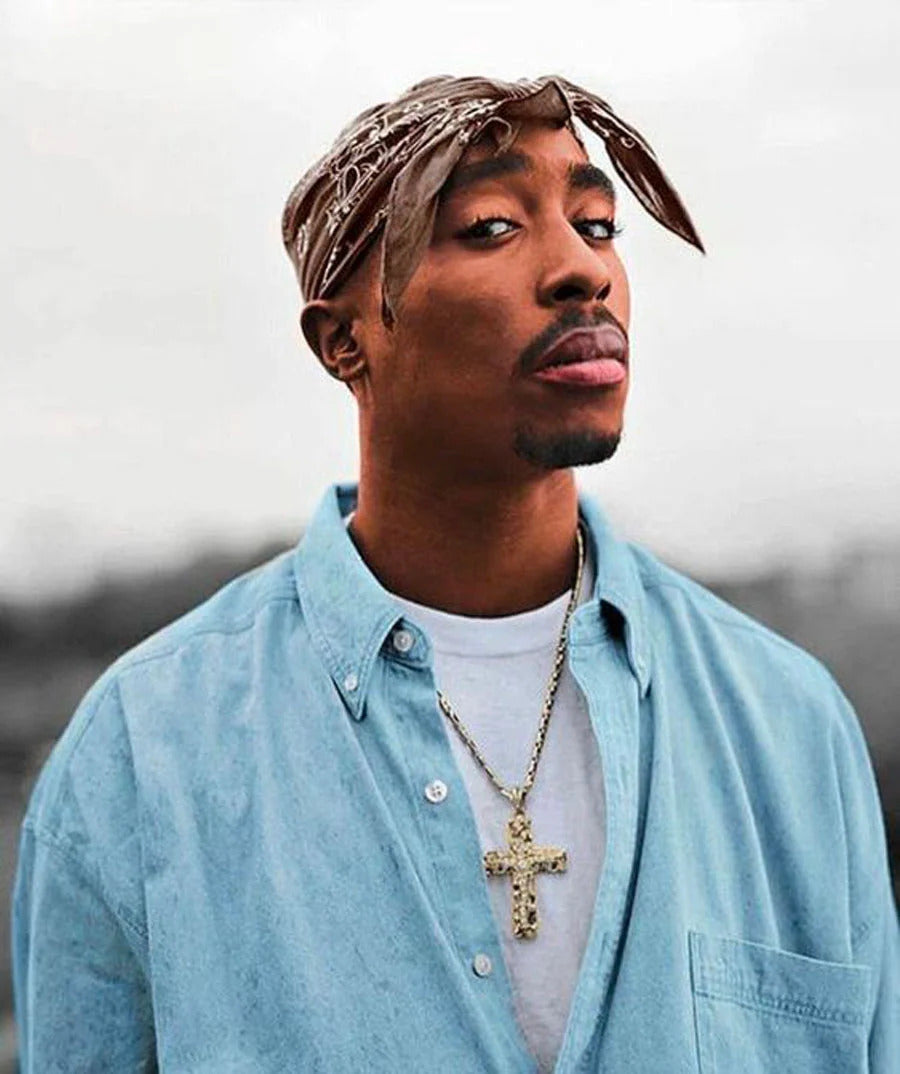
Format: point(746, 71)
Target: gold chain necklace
point(523, 859)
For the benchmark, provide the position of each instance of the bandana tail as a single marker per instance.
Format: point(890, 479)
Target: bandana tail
point(634, 160)
point(639, 168)
point(411, 209)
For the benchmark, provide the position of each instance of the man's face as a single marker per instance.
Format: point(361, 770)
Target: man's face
point(521, 253)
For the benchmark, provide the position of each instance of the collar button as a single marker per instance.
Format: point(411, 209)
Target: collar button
point(403, 641)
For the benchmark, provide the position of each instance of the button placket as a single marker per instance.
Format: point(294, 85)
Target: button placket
point(452, 854)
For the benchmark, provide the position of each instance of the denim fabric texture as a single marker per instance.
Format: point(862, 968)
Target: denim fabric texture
point(228, 864)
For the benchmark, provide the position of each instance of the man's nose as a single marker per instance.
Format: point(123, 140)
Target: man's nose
point(572, 270)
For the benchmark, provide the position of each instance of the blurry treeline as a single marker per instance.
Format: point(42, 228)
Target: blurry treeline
point(848, 615)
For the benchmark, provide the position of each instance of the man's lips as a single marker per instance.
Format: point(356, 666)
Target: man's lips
point(588, 357)
point(588, 344)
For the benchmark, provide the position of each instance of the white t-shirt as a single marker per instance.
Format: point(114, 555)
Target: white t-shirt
point(494, 672)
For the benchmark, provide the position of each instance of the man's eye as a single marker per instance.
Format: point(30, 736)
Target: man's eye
point(606, 228)
point(489, 227)
point(495, 227)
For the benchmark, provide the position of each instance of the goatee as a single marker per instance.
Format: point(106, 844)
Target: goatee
point(566, 449)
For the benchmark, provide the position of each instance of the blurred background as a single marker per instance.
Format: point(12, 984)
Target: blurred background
point(163, 427)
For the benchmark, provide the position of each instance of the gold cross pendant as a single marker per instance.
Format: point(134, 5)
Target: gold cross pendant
point(523, 861)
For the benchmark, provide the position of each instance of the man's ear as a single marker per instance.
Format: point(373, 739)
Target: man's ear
point(327, 328)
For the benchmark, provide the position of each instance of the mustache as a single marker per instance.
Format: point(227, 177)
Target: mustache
point(573, 318)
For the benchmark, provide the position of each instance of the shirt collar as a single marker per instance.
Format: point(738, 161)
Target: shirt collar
point(618, 583)
point(349, 613)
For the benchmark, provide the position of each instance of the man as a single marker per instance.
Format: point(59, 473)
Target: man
point(463, 781)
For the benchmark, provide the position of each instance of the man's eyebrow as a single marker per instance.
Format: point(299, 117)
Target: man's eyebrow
point(589, 177)
point(490, 168)
point(581, 175)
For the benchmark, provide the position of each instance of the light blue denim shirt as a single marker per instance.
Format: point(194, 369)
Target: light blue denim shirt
point(229, 866)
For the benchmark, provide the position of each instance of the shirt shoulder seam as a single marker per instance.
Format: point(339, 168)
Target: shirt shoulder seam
point(118, 669)
point(95, 705)
point(54, 842)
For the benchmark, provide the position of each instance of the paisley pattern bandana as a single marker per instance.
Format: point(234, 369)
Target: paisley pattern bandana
point(387, 167)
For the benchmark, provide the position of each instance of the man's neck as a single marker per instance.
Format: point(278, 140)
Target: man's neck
point(469, 549)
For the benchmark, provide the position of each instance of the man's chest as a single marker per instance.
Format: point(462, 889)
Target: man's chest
point(309, 904)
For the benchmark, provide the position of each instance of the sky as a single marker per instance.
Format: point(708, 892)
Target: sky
point(156, 393)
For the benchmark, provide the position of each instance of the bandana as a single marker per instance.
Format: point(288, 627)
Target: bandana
point(388, 165)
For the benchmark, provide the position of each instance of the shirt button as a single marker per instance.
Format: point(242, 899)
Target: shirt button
point(482, 964)
point(436, 791)
point(351, 682)
point(403, 641)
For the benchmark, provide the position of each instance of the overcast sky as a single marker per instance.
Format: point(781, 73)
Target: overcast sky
point(155, 390)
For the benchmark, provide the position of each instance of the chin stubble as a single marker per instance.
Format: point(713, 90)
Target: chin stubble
point(566, 449)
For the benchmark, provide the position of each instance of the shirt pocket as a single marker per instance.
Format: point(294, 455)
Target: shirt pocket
point(759, 1009)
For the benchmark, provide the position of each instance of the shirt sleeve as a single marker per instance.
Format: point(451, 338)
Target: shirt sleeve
point(883, 939)
point(82, 1000)
point(876, 931)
